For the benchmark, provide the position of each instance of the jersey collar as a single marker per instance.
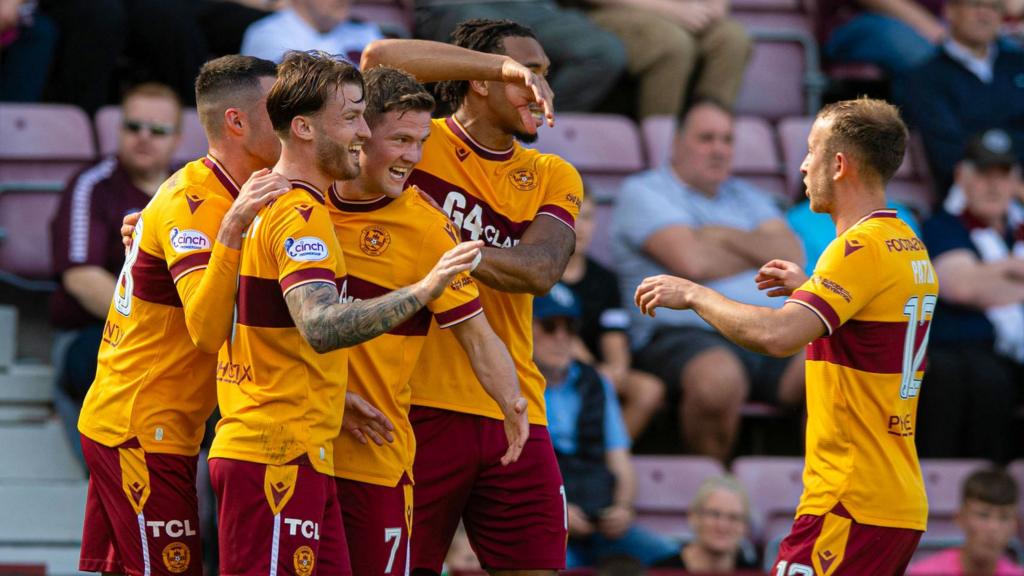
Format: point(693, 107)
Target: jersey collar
point(222, 175)
point(313, 190)
point(356, 205)
point(480, 149)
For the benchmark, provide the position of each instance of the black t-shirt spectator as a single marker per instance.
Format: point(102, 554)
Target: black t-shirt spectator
point(598, 292)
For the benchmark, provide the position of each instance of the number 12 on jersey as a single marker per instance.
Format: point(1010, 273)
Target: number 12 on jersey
point(918, 310)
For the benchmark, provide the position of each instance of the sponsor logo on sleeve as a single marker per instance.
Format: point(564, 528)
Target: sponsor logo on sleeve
point(305, 249)
point(189, 240)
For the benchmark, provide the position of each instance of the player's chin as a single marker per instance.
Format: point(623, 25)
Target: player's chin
point(526, 137)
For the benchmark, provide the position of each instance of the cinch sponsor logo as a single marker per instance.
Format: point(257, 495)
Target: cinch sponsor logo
point(308, 528)
point(231, 373)
point(173, 528)
point(904, 244)
point(305, 249)
point(188, 240)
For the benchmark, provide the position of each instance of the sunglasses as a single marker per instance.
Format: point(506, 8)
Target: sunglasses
point(552, 325)
point(154, 128)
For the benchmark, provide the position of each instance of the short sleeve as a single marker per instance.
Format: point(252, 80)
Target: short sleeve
point(843, 281)
point(643, 207)
point(563, 194)
point(615, 435)
point(460, 301)
point(187, 229)
point(302, 244)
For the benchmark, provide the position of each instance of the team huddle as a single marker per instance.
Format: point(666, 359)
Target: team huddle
point(350, 281)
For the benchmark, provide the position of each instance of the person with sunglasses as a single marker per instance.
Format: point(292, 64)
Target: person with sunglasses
point(590, 442)
point(87, 250)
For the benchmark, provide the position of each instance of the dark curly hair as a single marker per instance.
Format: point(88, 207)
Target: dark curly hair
point(481, 35)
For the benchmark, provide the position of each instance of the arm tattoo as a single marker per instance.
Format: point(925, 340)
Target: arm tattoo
point(328, 324)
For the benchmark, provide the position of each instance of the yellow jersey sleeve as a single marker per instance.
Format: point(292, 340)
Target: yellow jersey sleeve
point(302, 243)
point(843, 281)
point(188, 228)
point(460, 301)
point(564, 194)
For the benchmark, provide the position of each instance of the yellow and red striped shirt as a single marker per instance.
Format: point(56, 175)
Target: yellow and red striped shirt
point(875, 290)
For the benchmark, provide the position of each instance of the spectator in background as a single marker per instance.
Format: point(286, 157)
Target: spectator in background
point(692, 219)
point(590, 441)
point(988, 518)
point(672, 45)
point(310, 25)
point(87, 249)
point(719, 517)
point(975, 82)
point(586, 60)
point(28, 40)
point(895, 35)
point(603, 341)
point(977, 337)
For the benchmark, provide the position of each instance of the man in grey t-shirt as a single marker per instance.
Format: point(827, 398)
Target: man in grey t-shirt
point(691, 219)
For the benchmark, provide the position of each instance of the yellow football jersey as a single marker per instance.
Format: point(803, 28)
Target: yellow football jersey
point(151, 381)
point(389, 244)
point(280, 399)
point(492, 196)
point(875, 290)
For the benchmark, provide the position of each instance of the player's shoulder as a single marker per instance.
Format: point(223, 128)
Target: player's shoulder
point(546, 163)
point(427, 215)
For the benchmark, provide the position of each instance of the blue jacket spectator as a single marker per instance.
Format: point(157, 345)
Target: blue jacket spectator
point(975, 82)
point(591, 443)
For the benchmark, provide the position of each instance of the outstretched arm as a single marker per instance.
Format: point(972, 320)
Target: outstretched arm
point(493, 366)
point(328, 324)
point(776, 332)
point(532, 266)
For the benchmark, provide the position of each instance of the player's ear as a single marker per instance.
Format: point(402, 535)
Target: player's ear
point(234, 120)
point(478, 86)
point(840, 166)
point(302, 127)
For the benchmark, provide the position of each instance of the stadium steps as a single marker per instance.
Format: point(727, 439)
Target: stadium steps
point(41, 524)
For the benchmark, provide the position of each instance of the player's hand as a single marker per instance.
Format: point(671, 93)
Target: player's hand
point(262, 187)
point(459, 259)
point(530, 94)
point(364, 421)
point(517, 430)
point(663, 291)
point(128, 228)
point(579, 525)
point(780, 278)
point(694, 16)
point(615, 520)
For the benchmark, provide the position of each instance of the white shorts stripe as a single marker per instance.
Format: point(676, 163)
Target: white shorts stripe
point(275, 544)
point(145, 544)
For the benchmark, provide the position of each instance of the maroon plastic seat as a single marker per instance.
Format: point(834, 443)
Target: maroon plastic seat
point(943, 480)
point(773, 86)
point(665, 488)
point(774, 485)
point(43, 143)
point(25, 232)
point(605, 148)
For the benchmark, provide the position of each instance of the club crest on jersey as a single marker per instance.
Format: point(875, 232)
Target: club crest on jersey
point(305, 249)
point(523, 179)
point(304, 560)
point(176, 557)
point(374, 240)
point(189, 240)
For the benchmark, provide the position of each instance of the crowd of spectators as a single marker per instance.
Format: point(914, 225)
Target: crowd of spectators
point(958, 78)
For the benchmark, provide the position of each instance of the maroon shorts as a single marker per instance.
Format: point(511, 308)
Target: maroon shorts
point(378, 522)
point(278, 520)
point(141, 512)
point(514, 515)
point(835, 544)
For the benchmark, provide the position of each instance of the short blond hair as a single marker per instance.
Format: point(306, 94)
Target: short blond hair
point(871, 130)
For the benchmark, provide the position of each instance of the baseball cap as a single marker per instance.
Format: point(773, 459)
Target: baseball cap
point(560, 302)
point(990, 148)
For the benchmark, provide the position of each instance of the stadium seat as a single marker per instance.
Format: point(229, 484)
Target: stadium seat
point(38, 513)
point(193, 139)
point(605, 148)
point(774, 485)
point(25, 232)
point(43, 143)
point(37, 452)
point(665, 487)
point(755, 159)
point(783, 77)
point(942, 481)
